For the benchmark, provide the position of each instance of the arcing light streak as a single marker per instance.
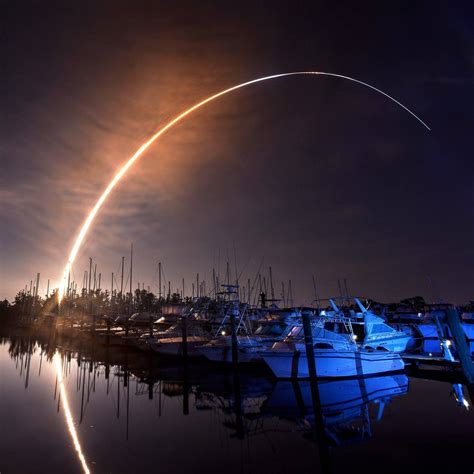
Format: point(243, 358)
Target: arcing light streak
point(67, 413)
point(90, 218)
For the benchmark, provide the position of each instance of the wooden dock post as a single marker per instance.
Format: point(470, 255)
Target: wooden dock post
point(239, 418)
point(150, 327)
point(308, 342)
point(108, 330)
point(317, 410)
point(184, 353)
point(462, 346)
point(184, 335)
point(233, 331)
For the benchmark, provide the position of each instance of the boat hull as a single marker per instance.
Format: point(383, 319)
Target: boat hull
point(174, 346)
point(332, 364)
point(391, 344)
point(223, 354)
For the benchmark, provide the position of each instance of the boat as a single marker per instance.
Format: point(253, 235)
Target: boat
point(331, 363)
point(426, 334)
point(144, 318)
point(219, 349)
point(336, 352)
point(173, 346)
point(368, 330)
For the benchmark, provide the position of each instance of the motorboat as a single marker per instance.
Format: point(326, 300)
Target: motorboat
point(369, 330)
point(331, 363)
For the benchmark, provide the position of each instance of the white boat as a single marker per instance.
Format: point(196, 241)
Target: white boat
point(331, 363)
point(220, 349)
point(142, 319)
point(173, 346)
point(427, 336)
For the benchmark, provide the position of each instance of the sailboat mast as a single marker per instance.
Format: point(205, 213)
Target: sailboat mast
point(121, 278)
point(271, 283)
point(159, 279)
point(131, 271)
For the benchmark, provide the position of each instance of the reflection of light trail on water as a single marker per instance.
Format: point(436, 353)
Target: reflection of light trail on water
point(67, 412)
point(90, 218)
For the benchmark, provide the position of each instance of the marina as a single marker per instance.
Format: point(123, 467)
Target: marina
point(241, 373)
point(142, 405)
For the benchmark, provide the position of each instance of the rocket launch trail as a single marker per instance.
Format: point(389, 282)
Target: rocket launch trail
point(126, 166)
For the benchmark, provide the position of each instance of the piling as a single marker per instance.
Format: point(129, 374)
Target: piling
point(239, 418)
point(184, 348)
point(108, 330)
point(150, 326)
point(316, 401)
point(184, 334)
point(233, 331)
point(308, 341)
point(462, 348)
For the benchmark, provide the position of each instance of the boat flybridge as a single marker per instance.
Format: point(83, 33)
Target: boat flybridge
point(367, 329)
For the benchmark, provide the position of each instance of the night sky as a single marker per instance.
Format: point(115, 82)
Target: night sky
point(314, 175)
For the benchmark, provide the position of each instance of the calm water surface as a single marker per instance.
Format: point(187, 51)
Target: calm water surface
point(132, 412)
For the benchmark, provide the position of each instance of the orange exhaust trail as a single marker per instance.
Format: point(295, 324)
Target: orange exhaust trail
point(115, 180)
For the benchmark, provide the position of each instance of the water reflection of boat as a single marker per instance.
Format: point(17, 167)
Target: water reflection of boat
point(343, 403)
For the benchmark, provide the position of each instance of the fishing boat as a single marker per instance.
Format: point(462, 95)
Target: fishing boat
point(331, 363)
point(335, 350)
point(270, 330)
point(367, 329)
point(427, 335)
point(174, 346)
point(219, 349)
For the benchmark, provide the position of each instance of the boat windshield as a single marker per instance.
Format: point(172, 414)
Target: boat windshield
point(269, 330)
point(295, 331)
point(381, 328)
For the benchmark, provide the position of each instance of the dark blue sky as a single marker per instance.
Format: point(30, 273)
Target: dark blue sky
point(315, 175)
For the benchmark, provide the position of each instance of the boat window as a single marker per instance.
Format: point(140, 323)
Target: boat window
point(359, 331)
point(329, 326)
point(323, 345)
point(269, 330)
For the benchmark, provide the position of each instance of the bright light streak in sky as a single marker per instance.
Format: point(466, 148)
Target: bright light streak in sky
point(67, 412)
point(90, 218)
